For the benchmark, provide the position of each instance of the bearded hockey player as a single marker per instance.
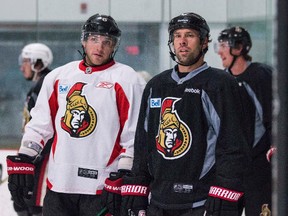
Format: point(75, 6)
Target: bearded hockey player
point(189, 141)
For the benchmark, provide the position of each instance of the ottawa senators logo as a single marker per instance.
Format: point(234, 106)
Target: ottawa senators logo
point(80, 119)
point(174, 137)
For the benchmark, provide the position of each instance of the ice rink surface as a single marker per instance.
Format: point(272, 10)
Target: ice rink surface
point(6, 206)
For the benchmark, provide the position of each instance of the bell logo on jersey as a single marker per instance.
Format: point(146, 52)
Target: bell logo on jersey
point(80, 119)
point(174, 137)
point(155, 102)
point(63, 89)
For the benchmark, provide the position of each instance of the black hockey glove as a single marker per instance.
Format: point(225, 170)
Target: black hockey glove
point(222, 202)
point(135, 191)
point(20, 170)
point(111, 195)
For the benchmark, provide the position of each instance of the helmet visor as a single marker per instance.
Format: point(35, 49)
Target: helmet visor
point(220, 45)
point(96, 38)
point(23, 60)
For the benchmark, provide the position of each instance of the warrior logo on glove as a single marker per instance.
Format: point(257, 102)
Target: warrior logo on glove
point(174, 137)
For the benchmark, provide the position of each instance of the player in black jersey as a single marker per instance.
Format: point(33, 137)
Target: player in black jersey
point(35, 60)
point(255, 83)
point(189, 143)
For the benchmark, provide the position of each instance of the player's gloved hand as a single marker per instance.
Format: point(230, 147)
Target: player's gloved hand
point(20, 170)
point(222, 202)
point(111, 195)
point(135, 191)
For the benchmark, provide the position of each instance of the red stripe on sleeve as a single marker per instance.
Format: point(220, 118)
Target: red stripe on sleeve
point(53, 104)
point(123, 106)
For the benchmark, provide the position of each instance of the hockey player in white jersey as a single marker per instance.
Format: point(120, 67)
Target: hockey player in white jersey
point(91, 108)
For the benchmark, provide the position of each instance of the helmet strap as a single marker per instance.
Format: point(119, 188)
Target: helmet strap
point(83, 54)
point(232, 63)
point(234, 59)
point(35, 76)
point(36, 72)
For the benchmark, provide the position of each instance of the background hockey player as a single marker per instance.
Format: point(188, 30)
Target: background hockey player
point(91, 108)
point(34, 60)
point(255, 83)
point(189, 141)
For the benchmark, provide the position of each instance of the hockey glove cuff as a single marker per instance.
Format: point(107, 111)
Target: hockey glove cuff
point(270, 153)
point(135, 191)
point(222, 202)
point(111, 195)
point(20, 170)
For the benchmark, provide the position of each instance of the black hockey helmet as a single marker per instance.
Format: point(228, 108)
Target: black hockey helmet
point(102, 24)
point(236, 35)
point(189, 20)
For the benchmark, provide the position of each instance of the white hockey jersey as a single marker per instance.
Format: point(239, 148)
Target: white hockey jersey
point(92, 113)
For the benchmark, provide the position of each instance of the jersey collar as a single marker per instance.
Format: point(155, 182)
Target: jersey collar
point(89, 69)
